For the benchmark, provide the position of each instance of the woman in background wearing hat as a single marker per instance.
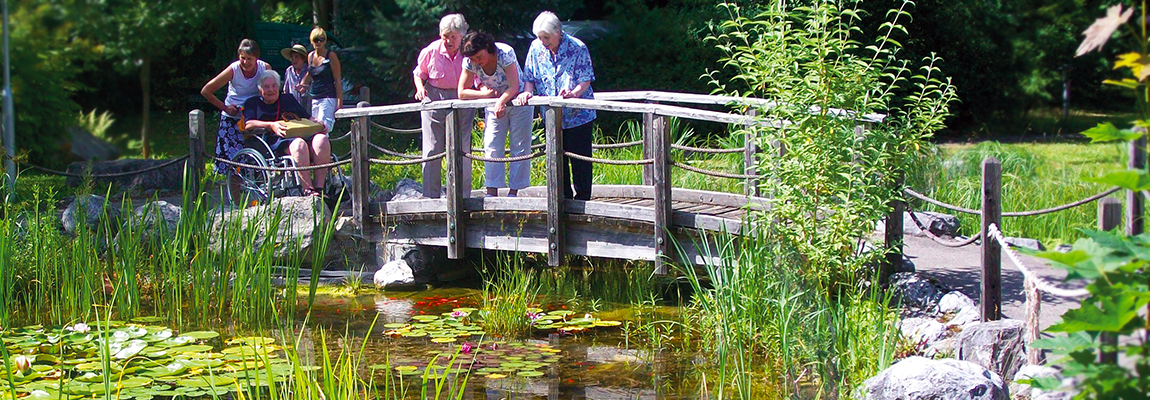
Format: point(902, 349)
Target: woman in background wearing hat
point(325, 80)
point(293, 77)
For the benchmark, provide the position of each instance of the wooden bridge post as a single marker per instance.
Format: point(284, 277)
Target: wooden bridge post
point(1135, 206)
point(360, 178)
point(365, 94)
point(751, 155)
point(194, 167)
point(893, 233)
point(662, 181)
point(648, 148)
point(1109, 218)
point(556, 164)
point(991, 297)
point(455, 182)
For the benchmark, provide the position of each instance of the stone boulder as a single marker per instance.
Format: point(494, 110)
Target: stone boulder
point(337, 185)
point(995, 345)
point(394, 274)
point(167, 178)
point(300, 219)
point(939, 224)
point(1025, 243)
point(348, 250)
point(916, 291)
point(406, 189)
point(922, 331)
point(87, 147)
point(960, 309)
point(88, 210)
point(920, 378)
point(153, 222)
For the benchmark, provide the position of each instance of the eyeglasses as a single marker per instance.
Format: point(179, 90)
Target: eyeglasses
point(319, 40)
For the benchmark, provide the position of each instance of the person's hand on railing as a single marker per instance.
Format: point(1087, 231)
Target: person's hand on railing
point(522, 98)
point(500, 109)
point(567, 94)
point(421, 94)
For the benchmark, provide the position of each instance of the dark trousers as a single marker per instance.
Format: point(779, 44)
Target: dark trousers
point(577, 140)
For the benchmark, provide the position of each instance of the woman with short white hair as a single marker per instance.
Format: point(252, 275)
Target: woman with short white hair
point(559, 65)
point(268, 111)
point(436, 74)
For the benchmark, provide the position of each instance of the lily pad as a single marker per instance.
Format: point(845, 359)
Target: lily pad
point(201, 335)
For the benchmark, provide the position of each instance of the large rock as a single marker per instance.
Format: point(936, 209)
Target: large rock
point(938, 224)
point(959, 308)
point(89, 209)
point(995, 345)
point(394, 274)
point(916, 291)
point(152, 223)
point(167, 178)
point(342, 184)
point(1026, 243)
point(920, 378)
point(407, 189)
point(88, 147)
point(299, 221)
point(922, 331)
point(422, 260)
point(348, 250)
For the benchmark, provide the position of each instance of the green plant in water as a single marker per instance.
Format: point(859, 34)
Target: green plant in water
point(1114, 264)
point(508, 293)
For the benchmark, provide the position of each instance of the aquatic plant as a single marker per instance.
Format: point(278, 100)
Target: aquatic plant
point(508, 293)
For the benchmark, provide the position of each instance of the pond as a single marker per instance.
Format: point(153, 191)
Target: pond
point(397, 343)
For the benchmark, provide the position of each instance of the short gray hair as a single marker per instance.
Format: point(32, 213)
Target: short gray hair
point(453, 23)
point(547, 22)
point(269, 73)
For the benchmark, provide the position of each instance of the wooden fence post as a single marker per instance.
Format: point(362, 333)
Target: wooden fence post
point(991, 297)
point(1134, 204)
point(556, 164)
point(360, 177)
point(455, 181)
point(1109, 218)
point(365, 94)
point(751, 155)
point(893, 234)
point(194, 167)
point(648, 148)
point(662, 181)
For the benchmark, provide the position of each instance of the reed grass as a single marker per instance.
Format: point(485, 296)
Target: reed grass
point(509, 290)
point(1034, 176)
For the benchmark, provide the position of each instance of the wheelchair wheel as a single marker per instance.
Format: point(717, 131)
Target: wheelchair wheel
point(255, 184)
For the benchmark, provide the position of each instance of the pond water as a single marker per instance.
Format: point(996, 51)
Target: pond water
point(609, 352)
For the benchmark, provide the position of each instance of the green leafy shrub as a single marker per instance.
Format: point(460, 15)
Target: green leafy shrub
point(97, 125)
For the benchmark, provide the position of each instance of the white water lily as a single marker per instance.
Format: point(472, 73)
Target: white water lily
point(22, 362)
point(80, 328)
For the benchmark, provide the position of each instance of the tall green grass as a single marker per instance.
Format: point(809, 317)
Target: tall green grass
point(776, 333)
point(1034, 176)
point(510, 289)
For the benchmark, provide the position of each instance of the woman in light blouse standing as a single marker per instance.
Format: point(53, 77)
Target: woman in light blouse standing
point(495, 71)
point(559, 65)
point(436, 76)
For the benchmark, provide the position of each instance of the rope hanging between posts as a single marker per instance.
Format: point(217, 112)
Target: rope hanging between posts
point(406, 162)
point(474, 157)
point(910, 192)
point(109, 176)
point(392, 152)
point(1062, 207)
point(279, 169)
point(616, 145)
point(1039, 282)
point(395, 130)
point(609, 162)
point(340, 137)
point(716, 174)
point(706, 150)
point(939, 240)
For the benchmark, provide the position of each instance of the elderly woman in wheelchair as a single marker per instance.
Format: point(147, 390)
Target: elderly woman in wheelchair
point(268, 144)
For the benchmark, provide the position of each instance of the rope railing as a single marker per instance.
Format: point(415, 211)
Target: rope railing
point(112, 175)
point(940, 240)
point(1039, 282)
point(407, 162)
point(643, 161)
point(393, 153)
point(616, 145)
point(705, 150)
point(480, 158)
point(340, 137)
point(278, 169)
point(395, 130)
point(716, 174)
point(910, 192)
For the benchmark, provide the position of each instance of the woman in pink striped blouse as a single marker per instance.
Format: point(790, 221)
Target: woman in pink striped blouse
point(437, 78)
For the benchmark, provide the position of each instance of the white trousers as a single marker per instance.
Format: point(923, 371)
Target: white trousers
point(515, 126)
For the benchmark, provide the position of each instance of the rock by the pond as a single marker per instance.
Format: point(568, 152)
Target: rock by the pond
point(348, 250)
point(394, 274)
point(407, 189)
point(170, 177)
point(959, 307)
point(938, 224)
point(916, 291)
point(1026, 243)
point(920, 378)
point(341, 184)
point(87, 147)
point(422, 260)
point(93, 207)
point(941, 348)
point(299, 218)
point(922, 331)
point(152, 223)
point(995, 345)
point(1066, 390)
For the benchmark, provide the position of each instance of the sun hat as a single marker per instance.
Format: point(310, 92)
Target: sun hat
point(294, 49)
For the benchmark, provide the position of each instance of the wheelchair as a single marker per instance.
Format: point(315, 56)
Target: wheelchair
point(258, 186)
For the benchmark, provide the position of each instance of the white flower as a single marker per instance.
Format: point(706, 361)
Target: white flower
point(80, 328)
point(22, 362)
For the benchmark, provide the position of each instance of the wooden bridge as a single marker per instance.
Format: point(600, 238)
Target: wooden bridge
point(634, 222)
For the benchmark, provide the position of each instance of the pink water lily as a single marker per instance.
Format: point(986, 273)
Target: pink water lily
point(466, 348)
point(458, 314)
point(533, 316)
point(22, 362)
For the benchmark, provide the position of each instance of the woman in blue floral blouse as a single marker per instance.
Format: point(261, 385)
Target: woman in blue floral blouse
point(559, 65)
